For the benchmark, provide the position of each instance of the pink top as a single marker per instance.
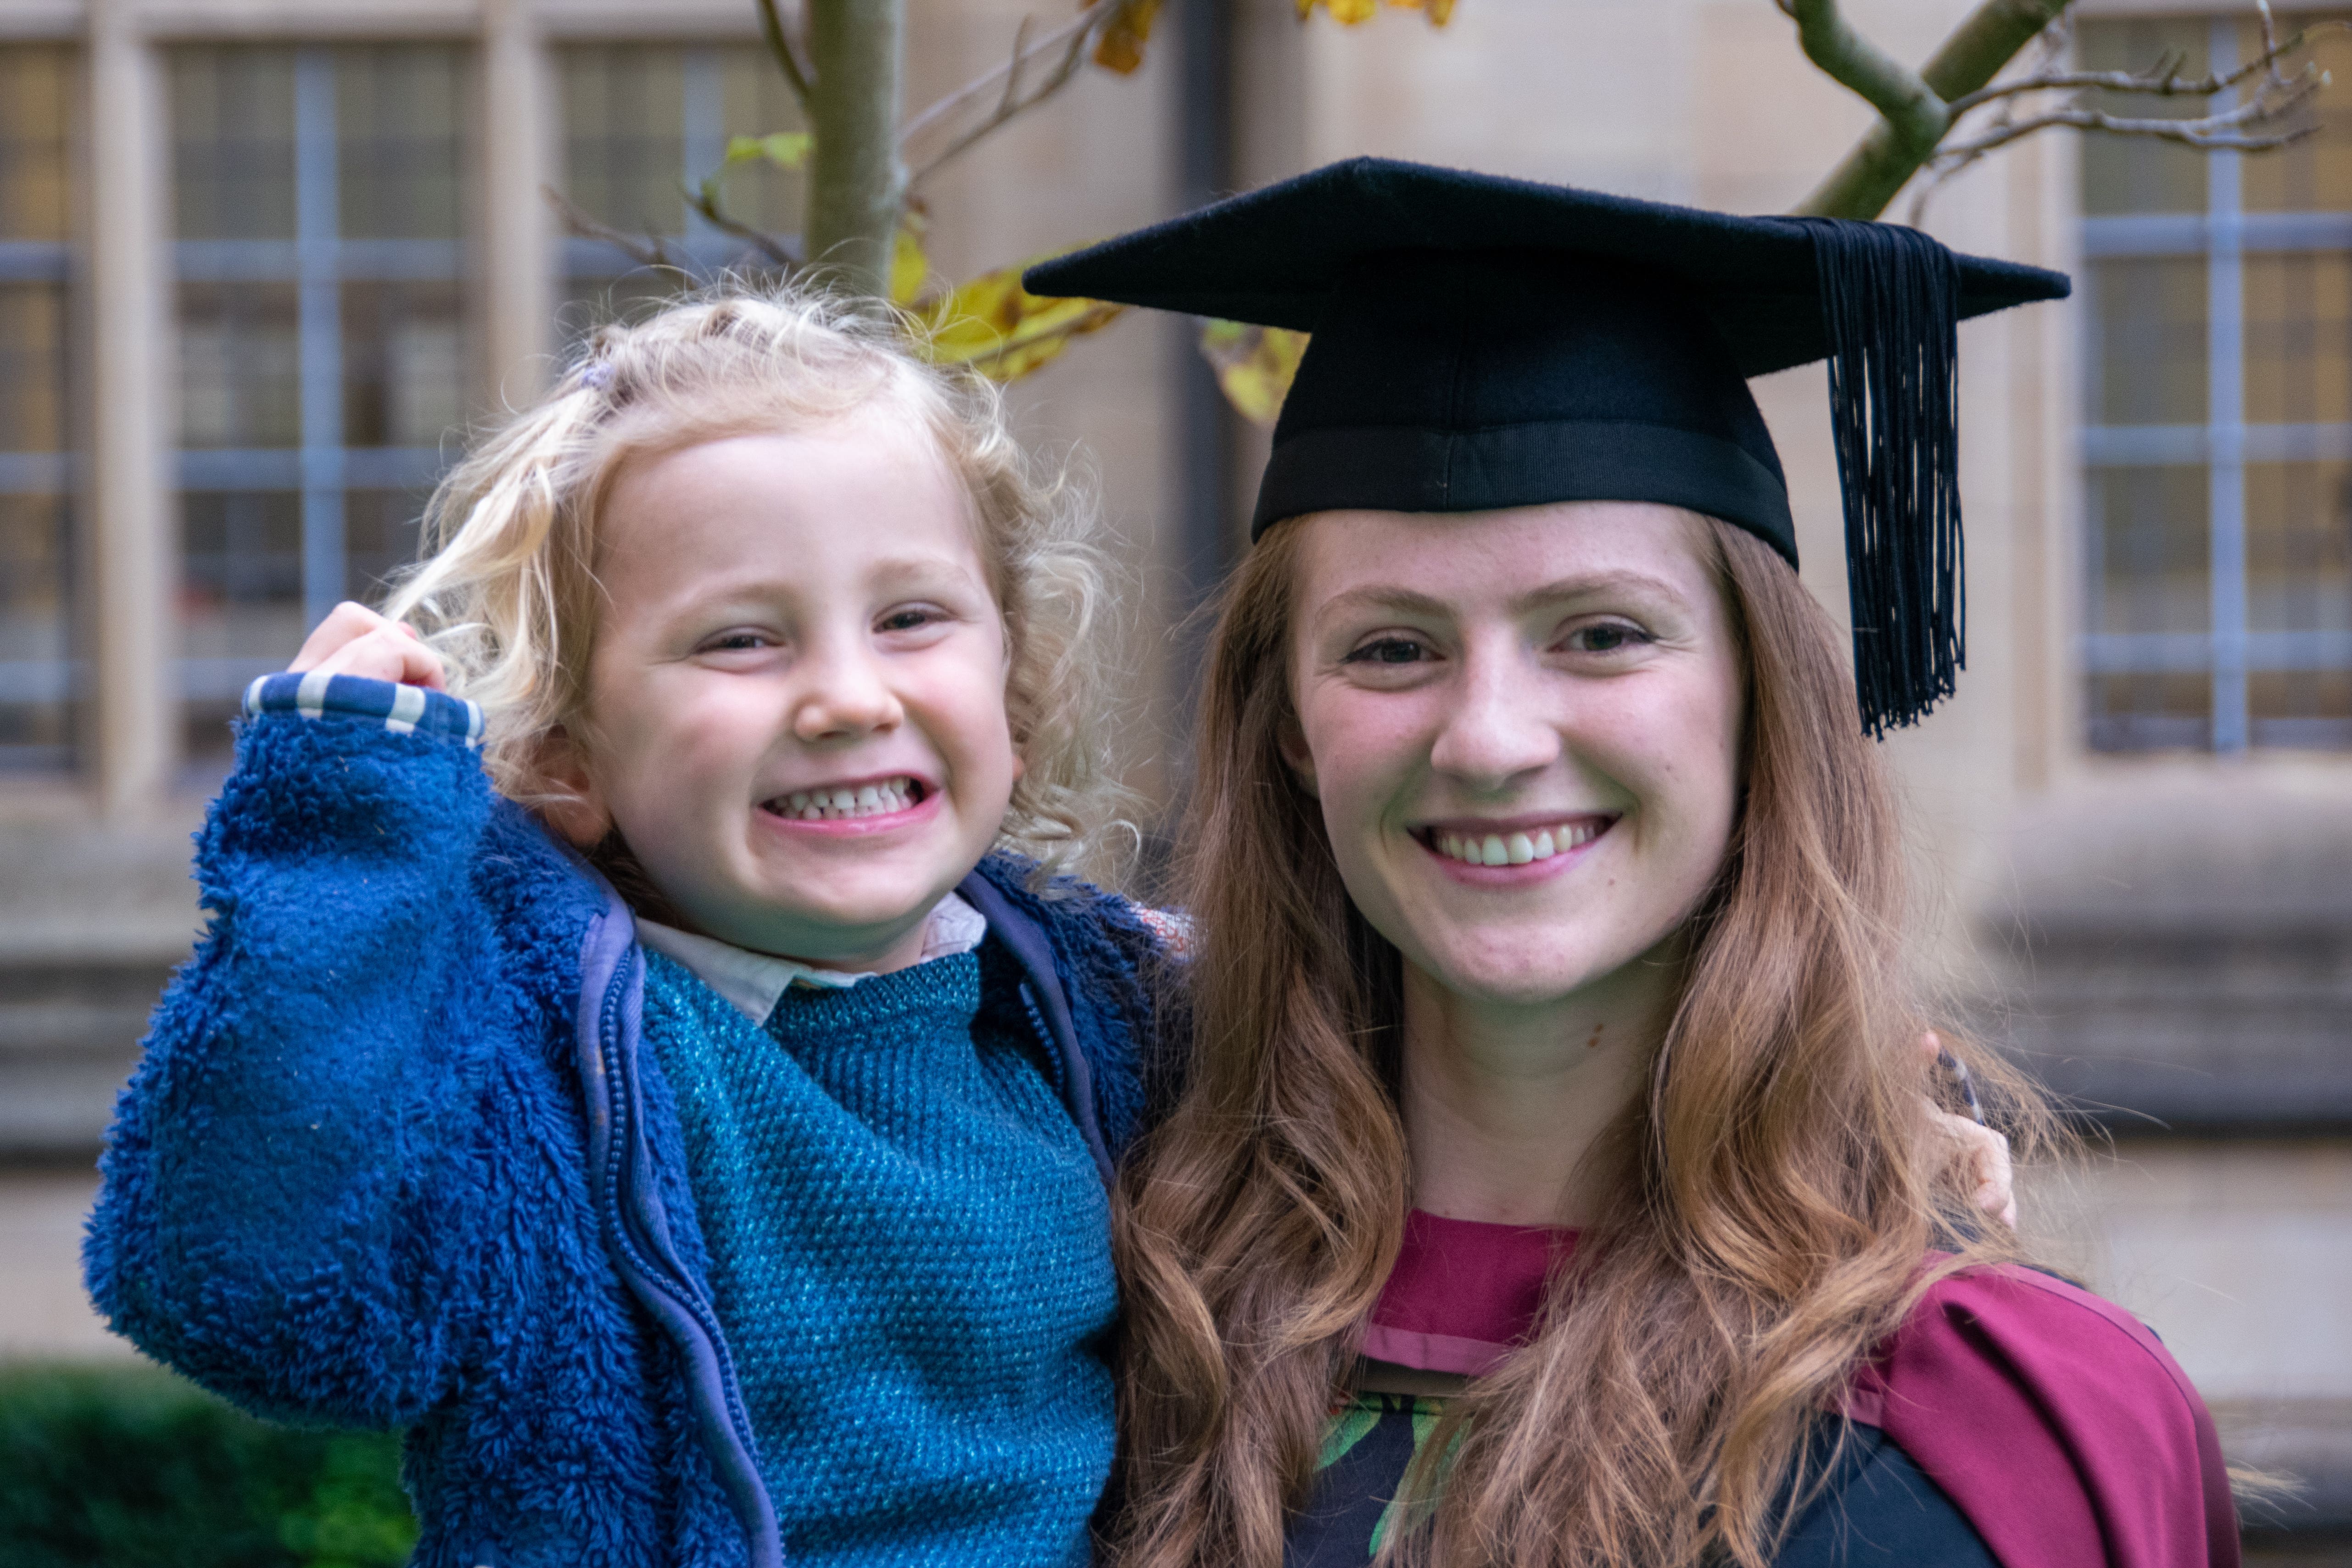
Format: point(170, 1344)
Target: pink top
point(2054, 1420)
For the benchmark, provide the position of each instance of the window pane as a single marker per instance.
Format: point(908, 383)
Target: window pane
point(240, 601)
point(2152, 550)
point(34, 108)
point(397, 113)
point(240, 365)
point(756, 100)
point(2299, 327)
point(2133, 174)
point(2299, 549)
point(624, 134)
point(35, 696)
point(2151, 340)
point(2305, 709)
point(36, 672)
point(32, 367)
point(233, 142)
point(379, 538)
point(404, 364)
point(2313, 175)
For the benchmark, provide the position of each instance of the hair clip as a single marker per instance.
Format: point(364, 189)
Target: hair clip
point(598, 375)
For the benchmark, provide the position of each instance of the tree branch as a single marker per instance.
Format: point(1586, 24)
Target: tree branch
point(788, 60)
point(2237, 128)
point(647, 251)
point(857, 186)
point(1065, 45)
point(1877, 167)
point(706, 202)
point(1906, 105)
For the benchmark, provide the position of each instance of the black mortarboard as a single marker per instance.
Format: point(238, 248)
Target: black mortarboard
point(1482, 342)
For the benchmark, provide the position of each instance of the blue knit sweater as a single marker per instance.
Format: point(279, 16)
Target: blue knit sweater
point(936, 1385)
point(394, 1158)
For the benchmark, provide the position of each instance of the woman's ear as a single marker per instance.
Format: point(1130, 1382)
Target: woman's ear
point(570, 801)
point(1292, 739)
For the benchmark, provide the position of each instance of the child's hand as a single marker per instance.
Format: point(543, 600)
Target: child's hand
point(356, 640)
point(1985, 1151)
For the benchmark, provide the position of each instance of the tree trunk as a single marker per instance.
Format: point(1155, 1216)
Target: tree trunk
point(857, 184)
point(1869, 176)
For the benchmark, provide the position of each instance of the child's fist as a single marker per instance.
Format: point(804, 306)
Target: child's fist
point(356, 640)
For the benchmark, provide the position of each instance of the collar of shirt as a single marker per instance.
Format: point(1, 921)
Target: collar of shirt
point(754, 982)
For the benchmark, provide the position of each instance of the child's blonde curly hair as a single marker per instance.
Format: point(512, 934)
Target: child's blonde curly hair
point(507, 591)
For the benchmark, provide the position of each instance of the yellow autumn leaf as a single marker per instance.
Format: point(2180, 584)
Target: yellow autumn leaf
point(1255, 365)
point(999, 329)
point(1121, 47)
point(910, 266)
point(1349, 13)
point(784, 149)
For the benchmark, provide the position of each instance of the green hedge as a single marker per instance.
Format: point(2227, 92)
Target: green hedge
point(133, 1467)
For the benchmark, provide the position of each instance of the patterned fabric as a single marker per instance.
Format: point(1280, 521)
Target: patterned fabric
point(1369, 1446)
point(404, 709)
point(946, 1362)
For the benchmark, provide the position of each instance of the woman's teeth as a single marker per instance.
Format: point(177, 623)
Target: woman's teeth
point(1514, 849)
point(837, 805)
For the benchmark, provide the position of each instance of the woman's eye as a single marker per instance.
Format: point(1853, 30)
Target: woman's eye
point(1388, 650)
point(1609, 637)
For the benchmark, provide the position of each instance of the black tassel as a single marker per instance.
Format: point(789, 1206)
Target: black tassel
point(1890, 300)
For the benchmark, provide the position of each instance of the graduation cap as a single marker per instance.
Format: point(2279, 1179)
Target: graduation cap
point(1482, 342)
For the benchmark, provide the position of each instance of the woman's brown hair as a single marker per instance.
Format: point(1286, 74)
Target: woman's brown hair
point(1778, 1187)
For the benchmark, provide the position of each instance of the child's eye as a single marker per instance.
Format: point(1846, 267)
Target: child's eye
point(913, 618)
point(737, 641)
point(1388, 650)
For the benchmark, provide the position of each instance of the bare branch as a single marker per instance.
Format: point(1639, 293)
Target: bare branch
point(788, 60)
point(646, 251)
point(1067, 46)
point(1059, 38)
point(2161, 80)
point(2242, 128)
point(706, 202)
point(1878, 166)
point(1905, 101)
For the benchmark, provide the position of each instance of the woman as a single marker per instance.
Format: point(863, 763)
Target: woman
point(1551, 1184)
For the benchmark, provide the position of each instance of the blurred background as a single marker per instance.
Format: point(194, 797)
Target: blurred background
point(263, 262)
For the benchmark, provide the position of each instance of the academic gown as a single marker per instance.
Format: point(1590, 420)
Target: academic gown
point(2014, 1420)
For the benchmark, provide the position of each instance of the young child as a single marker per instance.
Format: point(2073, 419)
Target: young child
point(753, 1212)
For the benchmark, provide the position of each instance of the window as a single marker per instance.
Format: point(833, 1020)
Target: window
point(2218, 439)
point(642, 123)
point(319, 197)
point(37, 673)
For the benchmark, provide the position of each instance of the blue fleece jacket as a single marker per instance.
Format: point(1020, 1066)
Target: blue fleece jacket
point(396, 1156)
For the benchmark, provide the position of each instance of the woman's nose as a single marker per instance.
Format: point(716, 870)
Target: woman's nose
point(843, 696)
point(1495, 731)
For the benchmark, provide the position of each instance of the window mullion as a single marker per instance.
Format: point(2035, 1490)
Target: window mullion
point(321, 331)
point(2225, 369)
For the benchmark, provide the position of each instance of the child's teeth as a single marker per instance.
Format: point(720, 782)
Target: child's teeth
point(869, 798)
point(798, 801)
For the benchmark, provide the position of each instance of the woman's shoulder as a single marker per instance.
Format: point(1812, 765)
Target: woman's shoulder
point(2056, 1420)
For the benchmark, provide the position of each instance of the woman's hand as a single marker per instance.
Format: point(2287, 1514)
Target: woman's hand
point(1985, 1151)
point(355, 641)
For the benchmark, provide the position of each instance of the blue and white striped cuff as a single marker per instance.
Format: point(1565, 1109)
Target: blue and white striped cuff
point(404, 709)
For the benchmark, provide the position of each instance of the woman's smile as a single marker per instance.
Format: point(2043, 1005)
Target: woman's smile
point(1522, 848)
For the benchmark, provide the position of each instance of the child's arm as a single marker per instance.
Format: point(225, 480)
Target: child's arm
point(304, 1184)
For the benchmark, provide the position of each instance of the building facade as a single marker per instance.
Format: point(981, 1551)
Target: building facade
point(263, 262)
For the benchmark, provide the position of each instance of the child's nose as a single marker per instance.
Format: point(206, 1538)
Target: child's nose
point(844, 696)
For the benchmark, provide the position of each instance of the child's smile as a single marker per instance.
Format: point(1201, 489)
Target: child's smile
point(795, 713)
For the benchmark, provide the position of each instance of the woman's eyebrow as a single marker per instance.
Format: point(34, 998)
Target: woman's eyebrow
point(1582, 585)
